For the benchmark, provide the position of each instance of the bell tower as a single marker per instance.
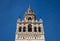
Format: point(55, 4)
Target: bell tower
point(29, 29)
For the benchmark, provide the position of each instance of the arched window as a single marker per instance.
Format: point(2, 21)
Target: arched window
point(35, 29)
point(24, 29)
point(29, 28)
point(20, 28)
point(29, 18)
point(39, 29)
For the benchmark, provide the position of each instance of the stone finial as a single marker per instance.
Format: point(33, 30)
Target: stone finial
point(18, 20)
point(41, 20)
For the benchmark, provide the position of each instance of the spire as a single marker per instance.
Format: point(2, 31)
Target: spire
point(29, 5)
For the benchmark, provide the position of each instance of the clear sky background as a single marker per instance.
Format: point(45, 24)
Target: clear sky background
point(48, 9)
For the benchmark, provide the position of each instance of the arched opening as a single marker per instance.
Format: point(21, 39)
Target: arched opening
point(20, 29)
point(29, 18)
point(29, 28)
point(39, 29)
point(35, 29)
point(24, 29)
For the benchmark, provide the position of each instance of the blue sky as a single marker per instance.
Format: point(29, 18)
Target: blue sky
point(48, 9)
